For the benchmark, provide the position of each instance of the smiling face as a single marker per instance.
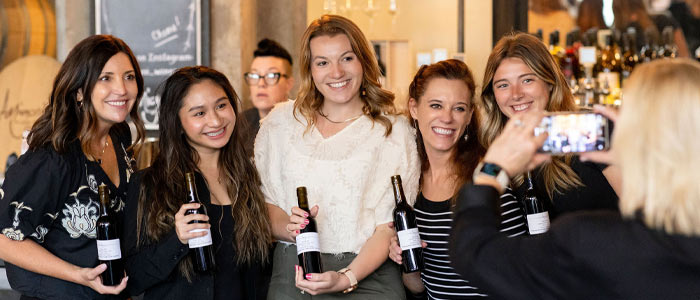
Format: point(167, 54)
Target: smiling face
point(336, 70)
point(115, 91)
point(264, 96)
point(442, 113)
point(517, 89)
point(207, 116)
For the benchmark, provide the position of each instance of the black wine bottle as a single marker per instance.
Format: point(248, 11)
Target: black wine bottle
point(200, 247)
point(308, 246)
point(536, 214)
point(108, 247)
point(407, 230)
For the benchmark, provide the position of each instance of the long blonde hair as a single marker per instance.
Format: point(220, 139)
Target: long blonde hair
point(558, 175)
point(377, 101)
point(656, 141)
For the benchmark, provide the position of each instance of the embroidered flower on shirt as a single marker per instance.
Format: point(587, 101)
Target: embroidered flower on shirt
point(13, 234)
point(130, 162)
point(80, 218)
point(41, 231)
point(19, 207)
point(92, 183)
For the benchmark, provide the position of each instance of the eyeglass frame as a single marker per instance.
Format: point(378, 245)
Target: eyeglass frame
point(266, 78)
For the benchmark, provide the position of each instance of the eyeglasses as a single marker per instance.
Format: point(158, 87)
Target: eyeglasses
point(270, 78)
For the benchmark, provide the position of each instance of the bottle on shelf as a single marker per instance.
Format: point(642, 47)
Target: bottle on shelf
point(308, 246)
point(609, 69)
point(539, 34)
point(649, 49)
point(536, 215)
point(569, 62)
point(557, 51)
point(200, 247)
point(669, 49)
point(587, 59)
point(630, 57)
point(407, 230)
point(108, 246)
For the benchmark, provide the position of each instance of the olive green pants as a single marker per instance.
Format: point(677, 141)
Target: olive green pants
point(385, 283)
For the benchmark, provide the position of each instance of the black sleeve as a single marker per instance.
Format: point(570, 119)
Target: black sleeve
point(32, 194)
point(506, 268)
point(150, 263)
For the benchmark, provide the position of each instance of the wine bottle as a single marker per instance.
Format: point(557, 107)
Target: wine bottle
point(108, 247)
point(630, 57)
point(308, 246)
point(407, 230)
point(669, 49)
point(536, 215)
point(200, 247)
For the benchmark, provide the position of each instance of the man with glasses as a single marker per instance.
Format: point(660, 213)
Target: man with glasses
point(270, 81)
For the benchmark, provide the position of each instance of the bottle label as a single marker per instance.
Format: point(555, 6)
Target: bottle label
point(538, 223)
point(201, 241)
point(307, 242)
point(409, 239)
point(108, 250)
point(586, 55)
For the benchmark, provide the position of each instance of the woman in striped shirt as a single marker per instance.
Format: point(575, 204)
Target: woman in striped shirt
point(442, 110)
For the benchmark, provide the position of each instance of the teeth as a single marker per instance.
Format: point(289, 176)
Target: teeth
point(443, 131)
point(339, 84)
point(521, 107)
point(220, 131)
point(116, 103)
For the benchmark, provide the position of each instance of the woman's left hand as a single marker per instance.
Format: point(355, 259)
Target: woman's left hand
point(515, 149)
point(321, 283)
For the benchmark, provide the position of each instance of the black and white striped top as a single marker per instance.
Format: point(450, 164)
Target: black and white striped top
point(434, 221)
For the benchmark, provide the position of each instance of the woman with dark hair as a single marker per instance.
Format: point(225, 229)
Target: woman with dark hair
point(521, 76)
point(590, 15)
point(441, 107)
point(341, 140)
point(50, 203)
point(634, 13)
point(199, 132)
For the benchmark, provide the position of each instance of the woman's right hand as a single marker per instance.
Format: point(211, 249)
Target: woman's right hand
point(299, 219)
point(183, 228)
point(90, 277)
point(395, 250)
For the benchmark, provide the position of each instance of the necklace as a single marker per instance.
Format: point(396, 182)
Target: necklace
point(339, 122)
point(99, 160)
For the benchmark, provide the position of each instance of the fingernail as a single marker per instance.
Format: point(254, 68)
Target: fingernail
point(296, 231)
point(302, 226)
point(308, 276)
point(306, 214)
point(306, 221)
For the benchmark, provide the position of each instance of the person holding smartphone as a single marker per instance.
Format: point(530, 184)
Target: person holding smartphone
point(49, 201)
point(650, 251)
point(521, 76)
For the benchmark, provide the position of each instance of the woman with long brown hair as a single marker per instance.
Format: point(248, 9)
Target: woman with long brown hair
point(49, 206)
point(521, 76)
point(341, 140)
point(199, 132)
point(590, 15)
point(441, 107)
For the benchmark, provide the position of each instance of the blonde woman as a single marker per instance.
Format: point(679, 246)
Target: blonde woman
point(652, 251)
point(341, 140)
point(521, 76)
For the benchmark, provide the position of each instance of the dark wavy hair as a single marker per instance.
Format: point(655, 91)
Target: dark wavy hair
point(163, 183)
point(63, 120)
point(377, 101)
point(468, 153)
point(268, 47)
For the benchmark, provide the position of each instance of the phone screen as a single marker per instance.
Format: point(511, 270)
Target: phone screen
point(574, 132)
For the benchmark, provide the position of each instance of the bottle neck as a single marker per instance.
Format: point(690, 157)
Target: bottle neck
point(398, 194)
point(104, 205)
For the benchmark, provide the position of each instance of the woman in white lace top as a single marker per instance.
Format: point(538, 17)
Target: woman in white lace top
point(341, 140)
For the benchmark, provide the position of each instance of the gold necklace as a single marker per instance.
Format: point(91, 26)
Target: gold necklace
point(99, 160)
point(339, 122)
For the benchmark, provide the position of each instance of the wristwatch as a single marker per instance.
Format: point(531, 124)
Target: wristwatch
point(494, 171)
point(351, 277)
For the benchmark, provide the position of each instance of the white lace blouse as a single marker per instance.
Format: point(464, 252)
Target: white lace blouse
point(348, 175)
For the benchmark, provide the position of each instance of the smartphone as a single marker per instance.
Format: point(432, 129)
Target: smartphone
point(574, 132)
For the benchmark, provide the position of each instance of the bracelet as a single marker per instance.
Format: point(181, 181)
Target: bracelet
point(351, 277)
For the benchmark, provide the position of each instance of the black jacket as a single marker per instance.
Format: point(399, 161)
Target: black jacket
point(585, 255)
point(152, 268)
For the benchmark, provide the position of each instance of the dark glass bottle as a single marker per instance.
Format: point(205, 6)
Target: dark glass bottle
point(555, 50)
point(308, 246)
point(629, 56)
point(200, 247)
point(668, 49)
point(108, 246)
point(407, 230)
point(569, 63)
point(537, 216)
point(648, 51)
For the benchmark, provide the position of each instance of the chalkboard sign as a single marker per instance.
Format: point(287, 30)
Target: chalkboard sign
point(163, 34)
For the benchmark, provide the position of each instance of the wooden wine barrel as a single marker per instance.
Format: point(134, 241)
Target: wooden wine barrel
point(27, 27)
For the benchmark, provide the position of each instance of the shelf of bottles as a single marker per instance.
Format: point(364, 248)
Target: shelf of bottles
point(597, 63)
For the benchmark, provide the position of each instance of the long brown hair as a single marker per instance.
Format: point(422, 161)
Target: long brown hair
point(628, 12)
point(163, 184)
point(558, 175)
point(468, 152)
point(64, 120)
point(377, 101)
point(590, 15)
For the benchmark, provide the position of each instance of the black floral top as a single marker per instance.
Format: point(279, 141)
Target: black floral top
point(52, 199)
